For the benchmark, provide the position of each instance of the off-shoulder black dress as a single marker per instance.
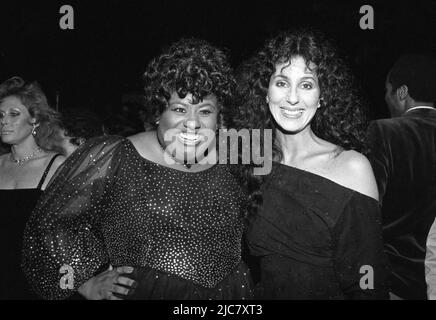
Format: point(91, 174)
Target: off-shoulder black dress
point(181, 231)
point(315, 239)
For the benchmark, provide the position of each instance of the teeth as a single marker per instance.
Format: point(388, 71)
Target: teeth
point(188, 138)
point(293, 113)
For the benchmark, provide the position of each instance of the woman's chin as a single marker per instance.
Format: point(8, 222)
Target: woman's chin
point(6, 141)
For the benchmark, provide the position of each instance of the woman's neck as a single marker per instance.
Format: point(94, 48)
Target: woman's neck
point(296, 146)
point(24, 148)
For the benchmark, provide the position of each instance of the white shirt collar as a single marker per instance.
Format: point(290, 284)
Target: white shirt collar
point(419, 107)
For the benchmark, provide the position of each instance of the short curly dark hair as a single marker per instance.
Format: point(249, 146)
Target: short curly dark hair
point(34, 99)
point(417, 71)
point(81, 124)
point(189, 66)
point(342, 117)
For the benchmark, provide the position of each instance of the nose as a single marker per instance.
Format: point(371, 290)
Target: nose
point(192, 122)
point(292, 96)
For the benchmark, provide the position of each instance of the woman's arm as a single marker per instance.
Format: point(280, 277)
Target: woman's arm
point(360, 262)
point(63, 239)
point(430, 263)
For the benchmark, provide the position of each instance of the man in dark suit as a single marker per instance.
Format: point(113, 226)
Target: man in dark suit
point(403, 156)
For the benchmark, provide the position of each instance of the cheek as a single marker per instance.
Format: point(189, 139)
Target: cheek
point(311, 99)
point(389, 99)
point(210, 122)
point(20, 122)
point(275, 95)
point(168, 120)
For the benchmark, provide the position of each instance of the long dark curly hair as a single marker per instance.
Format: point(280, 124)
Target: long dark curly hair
point(189, 66)
point(340, 120)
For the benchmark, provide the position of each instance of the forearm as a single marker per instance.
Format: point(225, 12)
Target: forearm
point(430, 263)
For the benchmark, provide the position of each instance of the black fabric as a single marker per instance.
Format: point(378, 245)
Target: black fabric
point(181, 231)
point(46, 171)
point(313, 236)
point(404, 161)
point(16, 207)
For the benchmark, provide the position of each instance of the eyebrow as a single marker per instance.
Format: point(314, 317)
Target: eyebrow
point(189, 103)
point(309, 76)
point(198, 105)
point(17, 107)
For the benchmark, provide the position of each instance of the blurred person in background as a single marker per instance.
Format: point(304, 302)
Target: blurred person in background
point(30, 128)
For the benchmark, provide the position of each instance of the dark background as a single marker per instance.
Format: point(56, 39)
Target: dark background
point(103, 58)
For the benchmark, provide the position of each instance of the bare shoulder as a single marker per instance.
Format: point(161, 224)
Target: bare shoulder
point(141, 138)
point(3, 157)
point(355, 172)
point(58, 161)
point(143, 142)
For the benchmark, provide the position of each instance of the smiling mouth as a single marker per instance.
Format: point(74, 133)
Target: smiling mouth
point(6, 132)
point(292, 113)
point(190, 139)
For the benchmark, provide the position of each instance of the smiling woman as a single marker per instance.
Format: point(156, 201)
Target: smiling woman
point(189, 124)
point(120, 202)
point(293, 94)
point(30, 127)
point(315, 219)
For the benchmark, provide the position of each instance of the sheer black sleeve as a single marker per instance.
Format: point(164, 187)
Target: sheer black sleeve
point(360, 262)
point(63, 230)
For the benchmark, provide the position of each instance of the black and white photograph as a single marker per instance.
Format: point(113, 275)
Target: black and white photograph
point(233, 152)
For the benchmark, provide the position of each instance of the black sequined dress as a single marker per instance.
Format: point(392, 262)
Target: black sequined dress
point(108, 205)
point(317, 240)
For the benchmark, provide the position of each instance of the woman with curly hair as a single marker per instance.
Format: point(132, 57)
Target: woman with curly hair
point(168, 222)
point(30, 128)
point(315, 222)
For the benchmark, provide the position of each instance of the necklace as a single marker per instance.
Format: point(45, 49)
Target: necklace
point(185, 164)
point(23, 160)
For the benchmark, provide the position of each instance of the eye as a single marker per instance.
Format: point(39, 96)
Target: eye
point(178, 109)
point(15, 114)
point(205, 112)
point(307, 85)
point(281, 84)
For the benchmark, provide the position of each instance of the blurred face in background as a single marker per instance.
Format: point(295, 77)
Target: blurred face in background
point(15, 121)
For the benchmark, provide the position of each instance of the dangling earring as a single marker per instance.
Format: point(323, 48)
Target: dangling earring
point(34, 129)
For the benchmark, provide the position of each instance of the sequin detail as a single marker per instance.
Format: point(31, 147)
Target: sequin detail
point(110, 205)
